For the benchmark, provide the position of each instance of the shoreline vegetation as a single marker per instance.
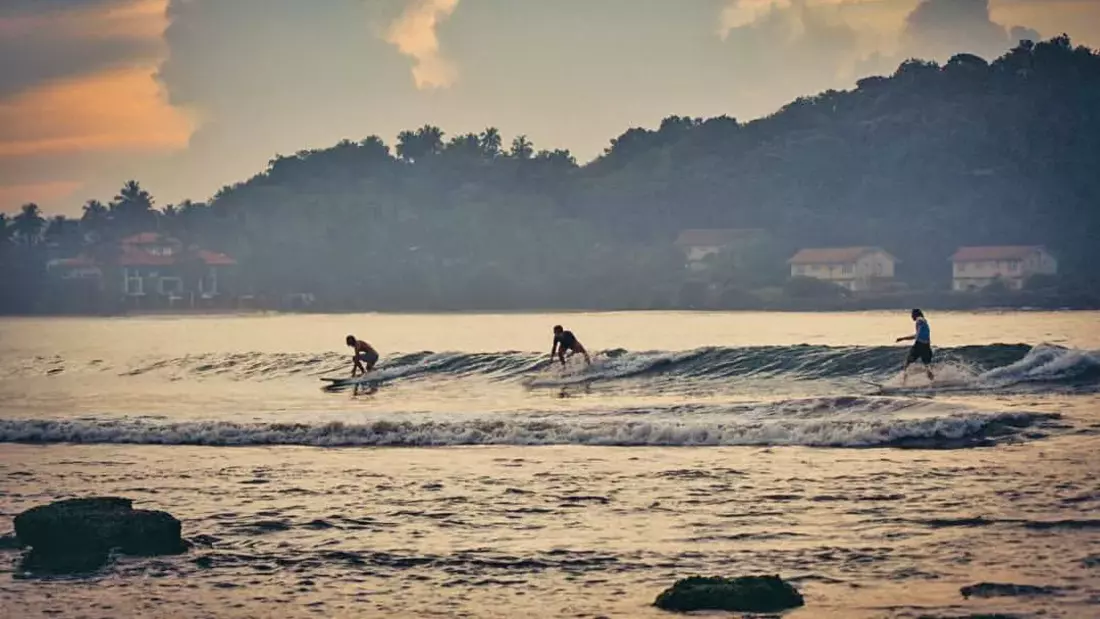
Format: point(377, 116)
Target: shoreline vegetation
point(921, 162)
point(934, 301)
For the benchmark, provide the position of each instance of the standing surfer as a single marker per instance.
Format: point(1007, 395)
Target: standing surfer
point(922, 346)
point(565, 340)
point(362, 352)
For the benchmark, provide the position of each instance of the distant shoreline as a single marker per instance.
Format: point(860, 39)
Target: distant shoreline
point(789, 306)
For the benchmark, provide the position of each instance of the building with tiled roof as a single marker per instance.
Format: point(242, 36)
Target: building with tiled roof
point(854, 268)
point(700, 244)
point(974, 268)
point(153, 270)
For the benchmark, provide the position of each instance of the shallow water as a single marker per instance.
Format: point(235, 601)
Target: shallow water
point(724, 443)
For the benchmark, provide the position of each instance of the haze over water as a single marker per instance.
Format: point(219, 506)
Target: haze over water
point(718, 444)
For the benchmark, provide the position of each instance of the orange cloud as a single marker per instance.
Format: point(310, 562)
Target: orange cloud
point(14, 196)
point(135, 19)
point(119, 110)
point(145, 19)
point(414, 35)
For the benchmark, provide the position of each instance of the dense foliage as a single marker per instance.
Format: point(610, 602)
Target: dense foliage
point(919, 163)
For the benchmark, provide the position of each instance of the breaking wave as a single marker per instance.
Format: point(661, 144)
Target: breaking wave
point(952, 431)
point(981, 367)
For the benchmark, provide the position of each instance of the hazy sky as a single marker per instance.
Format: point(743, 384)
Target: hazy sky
point(189, 95)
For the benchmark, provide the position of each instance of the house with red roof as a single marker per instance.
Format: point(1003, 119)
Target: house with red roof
point(975, 268)
point(154, 270)
point(855, 268)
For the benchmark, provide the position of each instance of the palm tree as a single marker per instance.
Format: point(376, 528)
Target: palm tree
point(28, 224)
point(432, 138)
point(522, 148)
point(95, 219)
point(468, 145)
point(414, 146)
point(132, 208)
point(374, 149)
point(490, 142)
point(407, 148)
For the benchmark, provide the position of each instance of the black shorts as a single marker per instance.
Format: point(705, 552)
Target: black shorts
point(922, 351)
point(568, 342)
point(370, 358)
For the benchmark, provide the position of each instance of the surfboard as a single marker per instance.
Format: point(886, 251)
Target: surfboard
point(344, 381)
point(922, 390)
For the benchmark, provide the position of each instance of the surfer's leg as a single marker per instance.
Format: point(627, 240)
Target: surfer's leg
point(584, 352)
point(926, 358)
point(909, 359)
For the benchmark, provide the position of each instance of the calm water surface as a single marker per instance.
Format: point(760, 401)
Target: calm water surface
point(473, 477)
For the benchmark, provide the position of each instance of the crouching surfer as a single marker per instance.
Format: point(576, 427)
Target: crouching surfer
point(922, 346)
point(566, 341)
point(363, 356)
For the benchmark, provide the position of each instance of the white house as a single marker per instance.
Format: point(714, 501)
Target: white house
point(977, 267)
point(855, 268)
point(698, 245)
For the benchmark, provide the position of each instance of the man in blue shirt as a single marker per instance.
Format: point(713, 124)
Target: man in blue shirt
point(922, 346)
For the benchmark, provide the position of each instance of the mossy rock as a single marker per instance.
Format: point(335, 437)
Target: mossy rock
point(756, 594)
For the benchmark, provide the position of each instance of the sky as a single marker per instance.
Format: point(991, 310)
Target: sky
point(187, 96)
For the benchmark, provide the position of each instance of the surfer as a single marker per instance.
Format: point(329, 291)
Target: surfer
point(362, 352)
point(922, 346)
point(566, 341)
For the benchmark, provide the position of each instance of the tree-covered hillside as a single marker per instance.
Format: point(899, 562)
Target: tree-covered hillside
point(920, 162)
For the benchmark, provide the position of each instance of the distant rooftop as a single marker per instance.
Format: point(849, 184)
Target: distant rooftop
point(995, 252)
point(833, 255)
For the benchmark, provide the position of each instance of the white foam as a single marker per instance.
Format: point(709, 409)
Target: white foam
point(847, 432)
point(1045, 363)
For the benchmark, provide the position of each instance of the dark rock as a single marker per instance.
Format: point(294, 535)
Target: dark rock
point(84, 562)
point(756, 594)
point(10, 542)
point(994, 589)
point(77, 535)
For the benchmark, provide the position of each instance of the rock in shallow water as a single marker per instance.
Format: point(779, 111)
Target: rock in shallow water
point(759, 594)
point(77, 535)
point(997, 589)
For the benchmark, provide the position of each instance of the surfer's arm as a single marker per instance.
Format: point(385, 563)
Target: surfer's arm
point(906, 338)
point(356, 364)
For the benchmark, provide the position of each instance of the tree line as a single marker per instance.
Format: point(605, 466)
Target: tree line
point(919, 162)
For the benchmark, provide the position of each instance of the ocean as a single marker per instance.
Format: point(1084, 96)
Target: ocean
point(473, 477)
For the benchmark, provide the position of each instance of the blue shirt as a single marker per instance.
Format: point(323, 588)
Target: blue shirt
point(924, 334)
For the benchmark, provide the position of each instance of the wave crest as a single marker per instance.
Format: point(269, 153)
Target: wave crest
point(981, 367)
point(945, 432)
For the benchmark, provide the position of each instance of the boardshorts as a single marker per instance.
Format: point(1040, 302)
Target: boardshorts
point(922, 351)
